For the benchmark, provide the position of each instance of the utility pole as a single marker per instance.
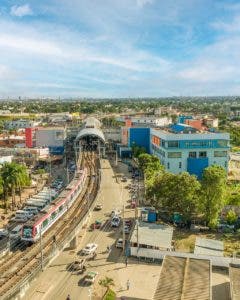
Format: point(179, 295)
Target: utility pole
point(116, 162)
point(90, 293)
point(123, 231)
point(41, 249)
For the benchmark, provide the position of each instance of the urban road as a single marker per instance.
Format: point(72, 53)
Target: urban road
point(56, 282)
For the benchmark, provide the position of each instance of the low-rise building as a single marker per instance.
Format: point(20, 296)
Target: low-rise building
point(51, 137)
point(149, 239)
point(182, 148)
point(151, 121)
point(17, 124)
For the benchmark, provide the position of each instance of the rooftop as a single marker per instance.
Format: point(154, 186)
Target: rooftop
point(208, 247)
point(234, 274)
point(152, 234)
point(184, 279)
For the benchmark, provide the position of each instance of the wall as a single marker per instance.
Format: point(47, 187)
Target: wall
point(50, 137)
point(140, 137)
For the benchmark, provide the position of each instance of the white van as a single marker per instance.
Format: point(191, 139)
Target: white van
point(23, 213)
point(38, 205)
point(15, 233)
point(31, 209)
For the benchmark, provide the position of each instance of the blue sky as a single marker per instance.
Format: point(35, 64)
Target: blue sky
point(119, 48)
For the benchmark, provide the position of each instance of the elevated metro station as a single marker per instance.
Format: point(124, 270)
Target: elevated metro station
point(90, 137)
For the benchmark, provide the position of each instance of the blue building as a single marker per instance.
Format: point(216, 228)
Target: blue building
point(139, 137)
point(188, 150)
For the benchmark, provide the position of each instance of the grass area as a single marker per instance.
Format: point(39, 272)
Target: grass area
point(235, 149)
point(185, 241)
point(110, 295)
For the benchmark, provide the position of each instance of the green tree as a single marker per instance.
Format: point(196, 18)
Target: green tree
point(14, 177)
point(136, 150)
point(213, 187)
point(231, 217)
point(176, 193)
point(106, 282)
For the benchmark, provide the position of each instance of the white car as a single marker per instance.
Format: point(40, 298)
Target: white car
point(115, 212)
point(20, 218)
point(119, 243)
point(3, 233)
point(89, 248)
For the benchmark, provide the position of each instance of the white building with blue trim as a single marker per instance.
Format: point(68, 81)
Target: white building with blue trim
point(181, 148)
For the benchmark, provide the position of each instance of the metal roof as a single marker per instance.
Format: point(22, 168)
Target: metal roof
point(184, 279)
point(234, 274)
point(208, 247)
point(152, 234)
point(91, 131)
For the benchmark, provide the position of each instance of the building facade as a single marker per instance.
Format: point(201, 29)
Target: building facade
point(53, 138)
point(191, 152)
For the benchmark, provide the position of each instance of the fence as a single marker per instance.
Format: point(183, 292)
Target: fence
point(159, 255)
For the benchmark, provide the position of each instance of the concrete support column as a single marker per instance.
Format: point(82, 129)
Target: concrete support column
point(74, 243)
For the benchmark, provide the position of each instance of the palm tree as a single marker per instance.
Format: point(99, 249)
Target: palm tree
point(106, 282)
point(14, 176)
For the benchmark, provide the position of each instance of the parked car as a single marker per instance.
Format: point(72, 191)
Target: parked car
point(90, 277)
point(89, 248)
point(98, 207)
point(115, 212)
point(119, 243)
point(96, 225)
point(20, 219)
point(15, 232)
point(126, 229)
point(28, 214)
point(31, 209)
point(115, 221)
point(124, 179)
point(128, 222)
point(3, 233)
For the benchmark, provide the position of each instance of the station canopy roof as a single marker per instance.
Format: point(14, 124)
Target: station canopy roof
point(91, 132)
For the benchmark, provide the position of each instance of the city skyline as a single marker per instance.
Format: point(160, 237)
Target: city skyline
point(119, 48)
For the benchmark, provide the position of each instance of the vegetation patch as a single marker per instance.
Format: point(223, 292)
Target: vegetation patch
point(110, 295)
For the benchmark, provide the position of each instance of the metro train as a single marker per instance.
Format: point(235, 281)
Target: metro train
point(35, 227)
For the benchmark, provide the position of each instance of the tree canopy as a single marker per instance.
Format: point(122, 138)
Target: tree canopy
point(212, 193)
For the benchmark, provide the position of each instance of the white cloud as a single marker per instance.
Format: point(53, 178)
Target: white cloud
point(21, 11)
point(142, 3)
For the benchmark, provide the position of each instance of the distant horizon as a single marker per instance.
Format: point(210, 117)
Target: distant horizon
point(119, 49)
point(233, 97)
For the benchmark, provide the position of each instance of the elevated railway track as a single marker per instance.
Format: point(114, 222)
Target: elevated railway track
point(26, 260)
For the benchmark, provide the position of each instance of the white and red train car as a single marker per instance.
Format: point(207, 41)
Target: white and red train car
point(32, 229)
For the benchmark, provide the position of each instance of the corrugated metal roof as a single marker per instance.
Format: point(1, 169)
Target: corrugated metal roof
point(208, 247)
point(152, 234)
point(184, 279)
point(234, 274)
point(91, 131)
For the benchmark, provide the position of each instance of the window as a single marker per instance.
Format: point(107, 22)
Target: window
point(59, 135)
point(173, 144)
point(180, 165)
point(192, 154)
point(45, 222)
point(61, 208)
point(168, 165)
point(222, 143)
point(202, 154)
point(220, 153)
point(174, 154)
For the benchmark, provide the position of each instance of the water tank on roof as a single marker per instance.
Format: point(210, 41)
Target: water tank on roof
point(152, 216)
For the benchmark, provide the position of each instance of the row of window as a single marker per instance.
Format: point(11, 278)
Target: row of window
point(192, 154)
point(55, 213)
point(180, 164)
point(195, 144)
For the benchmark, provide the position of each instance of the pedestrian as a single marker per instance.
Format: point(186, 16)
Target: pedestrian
point(68, 297)
point(126, 261)
point(128, 284)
